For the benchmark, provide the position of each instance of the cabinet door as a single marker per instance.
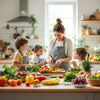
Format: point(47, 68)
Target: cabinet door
point(46, 96)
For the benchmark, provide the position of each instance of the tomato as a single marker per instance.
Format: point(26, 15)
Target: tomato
point(43, 77)
point(24, 74)
point(3, 82)
point(18, 73)
point(36, 81)
point(27, 83)
point(32, 74)
point(19, 82)
point(46, 67)
point(41, 71)
point(39, 78)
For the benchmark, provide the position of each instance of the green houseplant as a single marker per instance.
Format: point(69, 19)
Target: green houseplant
point(33, 22)
point(7, 44)
point(92, 17)
point(86, 65)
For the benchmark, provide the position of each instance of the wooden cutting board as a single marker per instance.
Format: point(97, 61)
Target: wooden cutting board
point(2, 46)
point(97, 14)
point(56, 72)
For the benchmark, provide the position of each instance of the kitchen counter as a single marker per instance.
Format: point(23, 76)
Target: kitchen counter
point(51, 92)
point(49, 88)
point(9, 61)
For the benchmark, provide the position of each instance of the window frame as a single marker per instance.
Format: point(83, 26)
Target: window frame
point(47, 17)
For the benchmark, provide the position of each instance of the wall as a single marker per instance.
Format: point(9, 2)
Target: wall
point(10, 9)
point(88, 7)
point(37, 8)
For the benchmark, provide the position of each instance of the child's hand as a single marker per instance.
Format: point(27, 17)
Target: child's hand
point(45, 62)
point(74, 63)
point(28, 65)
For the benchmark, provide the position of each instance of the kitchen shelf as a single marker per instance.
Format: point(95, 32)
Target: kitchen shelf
point(90, 35)
point(90, 21)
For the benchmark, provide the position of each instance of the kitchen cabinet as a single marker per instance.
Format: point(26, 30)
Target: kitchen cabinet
point(46, 96)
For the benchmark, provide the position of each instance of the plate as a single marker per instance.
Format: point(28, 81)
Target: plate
point(67, 83)
point(53, 76)
point(79, 85)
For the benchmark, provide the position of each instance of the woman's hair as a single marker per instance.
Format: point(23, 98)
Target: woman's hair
point(20, 41)
point(82, 52)
point(36, 48)
point(58, 27)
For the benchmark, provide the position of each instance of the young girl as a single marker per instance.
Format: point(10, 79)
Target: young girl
point(21, 59)
point(37, 59)
point(80, 55)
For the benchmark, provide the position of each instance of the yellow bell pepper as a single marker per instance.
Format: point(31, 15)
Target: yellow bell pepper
point(98, 75)
point(30, 79)
point(3, 77)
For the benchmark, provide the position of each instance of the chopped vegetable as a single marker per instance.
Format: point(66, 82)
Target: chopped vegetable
point(69, 77)
point(74, 69)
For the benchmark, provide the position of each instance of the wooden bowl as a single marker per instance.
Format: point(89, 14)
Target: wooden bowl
point(93, 82)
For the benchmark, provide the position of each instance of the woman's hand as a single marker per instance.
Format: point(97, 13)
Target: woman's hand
point(50, 61)
point(74, 63)
point(58, 62)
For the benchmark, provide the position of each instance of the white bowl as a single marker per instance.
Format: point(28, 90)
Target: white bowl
point(79, 85)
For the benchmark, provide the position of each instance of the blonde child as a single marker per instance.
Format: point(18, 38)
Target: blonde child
point(37, 59)
point(80, 55)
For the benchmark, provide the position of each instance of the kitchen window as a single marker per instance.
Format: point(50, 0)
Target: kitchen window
point(66, 11)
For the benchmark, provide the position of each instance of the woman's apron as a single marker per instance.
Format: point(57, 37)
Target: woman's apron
point(58, 52)
point(25, 61)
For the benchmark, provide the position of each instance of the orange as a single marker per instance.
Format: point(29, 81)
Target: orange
point(1, 58)
point(50, 70)
point(37, 37)
point(36, 81)
point(12, 82)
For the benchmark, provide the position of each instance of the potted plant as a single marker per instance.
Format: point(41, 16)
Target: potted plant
point(33, 22)
point(92, 17)
point(86, 66)
point(84, 27)
point(7, 44)
point(88, 31)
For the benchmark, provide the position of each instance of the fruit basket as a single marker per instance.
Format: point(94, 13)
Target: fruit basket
point(93, 82)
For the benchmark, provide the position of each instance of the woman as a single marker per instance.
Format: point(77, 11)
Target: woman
point(60, 49)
